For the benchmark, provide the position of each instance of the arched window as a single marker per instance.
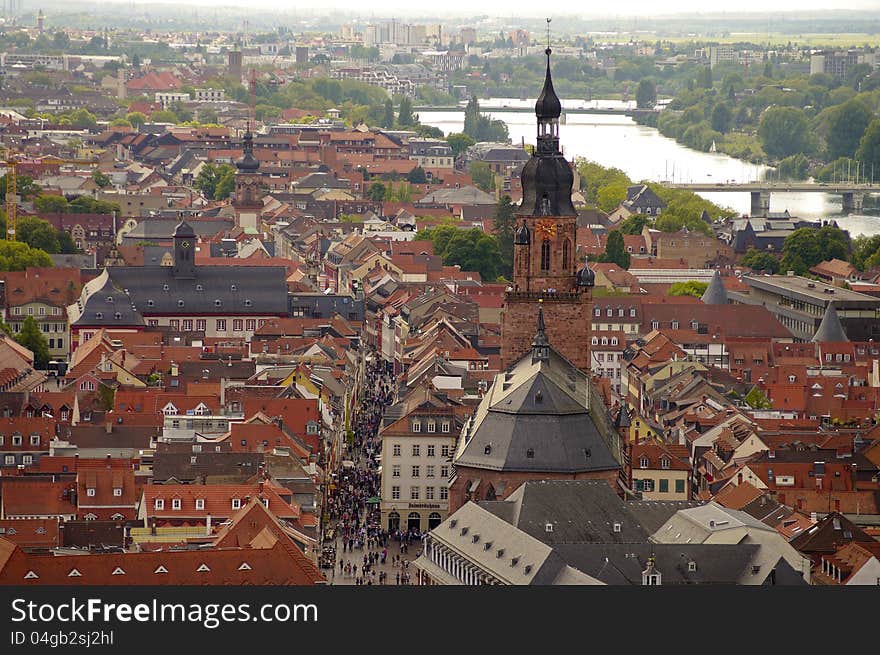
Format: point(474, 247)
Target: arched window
point(545, 255)
point(566, 254)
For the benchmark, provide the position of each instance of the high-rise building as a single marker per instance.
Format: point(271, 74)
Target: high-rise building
point(544, 265)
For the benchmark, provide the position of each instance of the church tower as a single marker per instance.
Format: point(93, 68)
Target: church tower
point(184, 252)
point(544, 265)
point(248, 186)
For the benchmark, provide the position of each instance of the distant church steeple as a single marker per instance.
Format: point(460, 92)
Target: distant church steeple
point(540, 345)
point(184, 252)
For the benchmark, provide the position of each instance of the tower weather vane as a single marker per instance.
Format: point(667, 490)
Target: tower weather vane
point(548, 32)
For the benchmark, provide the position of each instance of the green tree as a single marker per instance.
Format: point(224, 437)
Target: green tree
point(704, 77)
point(50, 204)
point(474, 250)
point(721, 118)
point(846, 126)
point(482, 175)
point(61, 41)
point(505, 227)
point(24, 185)
point(760, 260)
point(459, 142)
point(866, 252)
point(611, 195)
point(480, 127)
point(417, 176)
point(646, 94)
point(226, 184)
point(209, 178)
point(689, 288)
point(405, 116)
point(17, 256)
point(388, 116)
point(136, 119)
point(376, 192)
point(615, 250)
point(784, 131)
point(757, 399)
point(164, 116)
point(83, 119)
point(868, 152)
point(37, 233)
point(87, 205)
point(101, 179)
point(32, 338)
point(120, 122)
point(634, 224)
point(806, 247)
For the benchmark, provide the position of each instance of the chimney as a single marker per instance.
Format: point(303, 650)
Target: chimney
point(208, 525)
point(260, 487)
point(109, 460)
point(153, 527)
point(108, 425)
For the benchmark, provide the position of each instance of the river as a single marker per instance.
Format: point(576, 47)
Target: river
point(645, 154)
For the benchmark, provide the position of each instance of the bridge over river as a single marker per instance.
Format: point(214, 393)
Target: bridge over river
point(853, 193)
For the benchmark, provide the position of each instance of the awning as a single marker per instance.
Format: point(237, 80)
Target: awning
point(375, 500)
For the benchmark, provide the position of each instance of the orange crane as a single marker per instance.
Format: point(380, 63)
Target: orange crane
point(12, 187)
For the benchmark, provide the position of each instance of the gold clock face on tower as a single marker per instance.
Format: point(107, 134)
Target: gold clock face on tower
point(547, 229)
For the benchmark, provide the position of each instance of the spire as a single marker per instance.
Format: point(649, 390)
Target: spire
point(540, 345)
point(248, 163)
point(715, 293)
point(830, 330)
point(548, 106)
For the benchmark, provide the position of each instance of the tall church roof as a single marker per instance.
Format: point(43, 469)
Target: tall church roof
point(536, 418)
point(830, 330)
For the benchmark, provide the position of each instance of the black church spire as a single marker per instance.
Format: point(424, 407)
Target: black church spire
point(547, 178)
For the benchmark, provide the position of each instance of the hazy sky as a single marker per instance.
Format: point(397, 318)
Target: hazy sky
point(512, 8)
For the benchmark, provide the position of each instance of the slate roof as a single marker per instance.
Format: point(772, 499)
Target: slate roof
point(715, 293)
point(830, 330)
point(620, 564)
point(160, 228)
point(239, 291)
point(104, 303)
point(581, 511)
point(533, 419)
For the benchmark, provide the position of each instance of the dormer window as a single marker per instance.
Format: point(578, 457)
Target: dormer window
point(664, 463)
point(218, 303)
point(643, 462)
point(597, 312)
point(90, 492)
point(164, 287)
point(159, 503)
point(118, 316)
point(199, 287)
point(180, 303)
point(110, 299)
point(99, 315)
point(236, 503)
point(233, 288)
point(247, 303)
point(200, 503)
point(150, 303)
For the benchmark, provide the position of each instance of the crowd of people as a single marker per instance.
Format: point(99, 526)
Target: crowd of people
point(356, 518)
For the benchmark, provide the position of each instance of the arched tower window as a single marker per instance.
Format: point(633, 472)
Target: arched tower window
point(545, 255)
point(566, 254)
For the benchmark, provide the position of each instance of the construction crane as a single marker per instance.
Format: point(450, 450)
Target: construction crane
point(12, 186)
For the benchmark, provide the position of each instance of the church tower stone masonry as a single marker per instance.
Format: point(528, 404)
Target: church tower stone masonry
point(545, 272)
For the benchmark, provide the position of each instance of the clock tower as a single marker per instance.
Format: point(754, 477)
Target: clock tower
point(184, 252)
point(248, 198)
point(544, 263)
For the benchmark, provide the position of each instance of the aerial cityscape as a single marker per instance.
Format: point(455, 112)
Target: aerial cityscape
point(350, 298)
